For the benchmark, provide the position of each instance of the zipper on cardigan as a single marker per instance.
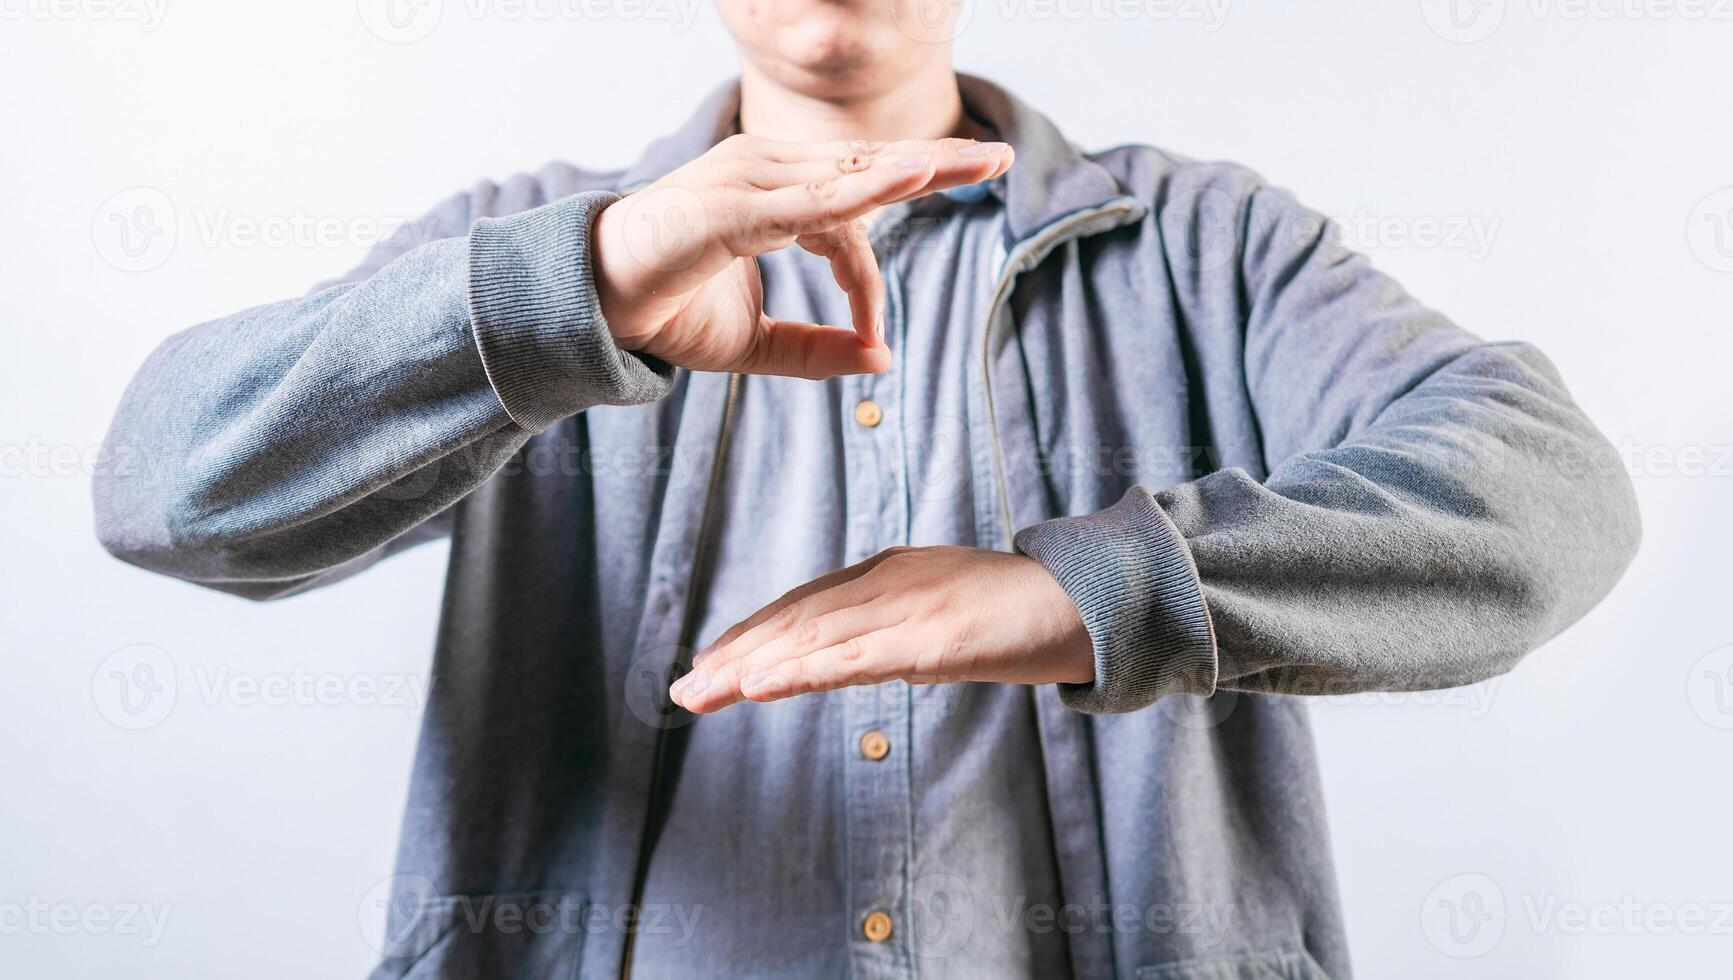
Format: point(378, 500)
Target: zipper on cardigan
point(682, 664)
point(1037, 247)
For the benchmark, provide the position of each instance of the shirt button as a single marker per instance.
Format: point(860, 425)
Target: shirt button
point(874, 745)
point(868, 413)
point(876, 927)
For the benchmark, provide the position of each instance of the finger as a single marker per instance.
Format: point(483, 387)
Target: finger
point(815, 206)
point(769, 219)
point(718, 685)
point(960, 160)
point(864, 152)
point(814, 351)
point(788, 598)
point(856, 269)
point(872, 658)
point(804, 632)
point(838, 590)
point(817, 585)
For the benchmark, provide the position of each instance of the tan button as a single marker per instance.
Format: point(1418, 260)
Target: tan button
point(869, 414)
point(874, 745)
point(876, 927)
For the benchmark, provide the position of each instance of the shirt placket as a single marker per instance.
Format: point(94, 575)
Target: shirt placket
point(877, 719)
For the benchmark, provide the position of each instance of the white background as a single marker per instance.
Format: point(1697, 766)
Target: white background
point(1584, 148)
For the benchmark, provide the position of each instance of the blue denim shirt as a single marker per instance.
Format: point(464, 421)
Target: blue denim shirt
point(782, 827)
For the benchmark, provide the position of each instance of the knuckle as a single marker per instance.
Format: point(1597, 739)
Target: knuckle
point(823, 191)
point(808, 355)
point(853, 163)
point(897, 560)
point(786, 618)
point(851, 650)
point(807, 633)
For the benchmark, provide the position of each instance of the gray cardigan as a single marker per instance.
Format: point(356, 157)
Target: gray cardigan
point(1259, 467)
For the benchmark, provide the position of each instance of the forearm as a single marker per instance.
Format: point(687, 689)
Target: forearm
point(1432, 508)
point(278, 443)
point(1480, 515)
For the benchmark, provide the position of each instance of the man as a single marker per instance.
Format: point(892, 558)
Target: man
point(1040, 463)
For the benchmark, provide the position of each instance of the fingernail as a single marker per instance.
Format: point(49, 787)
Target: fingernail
point(753, 683)
point(879, 327)
point(914, 162)
point(979, 149)
point(684, 685)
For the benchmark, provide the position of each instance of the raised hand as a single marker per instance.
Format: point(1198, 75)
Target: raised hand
point(674, 261)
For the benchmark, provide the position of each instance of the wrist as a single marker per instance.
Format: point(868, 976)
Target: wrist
point(607, 249)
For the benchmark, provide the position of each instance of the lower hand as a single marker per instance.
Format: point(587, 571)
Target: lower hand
point(922, 615)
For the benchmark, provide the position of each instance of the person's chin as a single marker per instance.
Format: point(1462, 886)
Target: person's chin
point(836, 48)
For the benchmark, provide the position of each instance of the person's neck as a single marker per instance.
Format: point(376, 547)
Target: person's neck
point(923, 106)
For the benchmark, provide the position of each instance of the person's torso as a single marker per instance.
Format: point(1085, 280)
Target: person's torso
point(790, 824)
point(1113, 359)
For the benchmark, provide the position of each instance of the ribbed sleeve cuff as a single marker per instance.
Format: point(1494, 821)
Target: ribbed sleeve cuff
point(1132, 577)
point(538, 321)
